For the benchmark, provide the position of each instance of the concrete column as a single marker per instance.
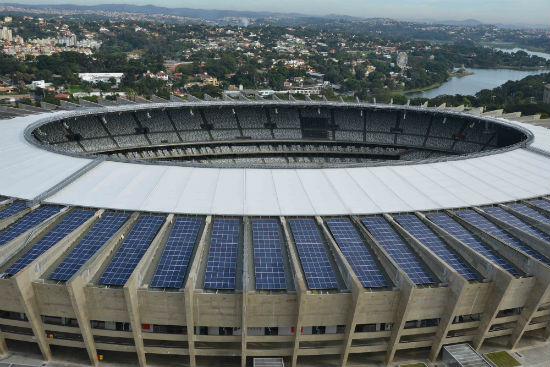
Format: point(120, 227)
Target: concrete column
point(76, 287)
point(401, 315)
point(539, 294)
point(301, 289)
point(3, 345)
point(353, 284)
point(189, 290)
point(132, 284)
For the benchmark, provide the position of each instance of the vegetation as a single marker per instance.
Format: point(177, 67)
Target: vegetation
point(503, 359)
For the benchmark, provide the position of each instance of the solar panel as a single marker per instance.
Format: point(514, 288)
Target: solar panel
point(96, 237)
point(514, 221)
point(222, 257)
point(397, 249)
point(455, 229)
point(27, 222)
point(268, 256)
point(424, 234)
point(132, 250)
point(483, 223)
point(355, 252)
point(530, 212)
point(72, 221)
point(313, 256)
point(543, 204)
point(12, 209)
point(175, 257)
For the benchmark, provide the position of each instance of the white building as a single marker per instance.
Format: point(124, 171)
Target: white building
point(100, 77)
point(6, 34)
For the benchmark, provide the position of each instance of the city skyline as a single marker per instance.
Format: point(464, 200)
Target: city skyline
point(534, 12)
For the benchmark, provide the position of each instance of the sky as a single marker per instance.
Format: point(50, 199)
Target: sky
point(487, 11)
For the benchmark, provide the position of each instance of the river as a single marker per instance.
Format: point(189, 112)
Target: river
point(530, 53)
point(471, 84)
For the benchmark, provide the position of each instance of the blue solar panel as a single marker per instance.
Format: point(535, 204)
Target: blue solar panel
point(355, 252)
point(268, 256)
point(96, 237)
point(422, 233)
point(397, 249)
point(27, 222)
point(452, 227)
point(313, 256)
point(530, 212)
point(222, 257)
point(514, 221)
point(71, 222)
point(483, 223)
point(175, 257)
point(543, 204)
point(132, 250)
point(12, 209)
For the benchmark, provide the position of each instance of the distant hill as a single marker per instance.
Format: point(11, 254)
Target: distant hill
point(152, 9)
point(214, 15)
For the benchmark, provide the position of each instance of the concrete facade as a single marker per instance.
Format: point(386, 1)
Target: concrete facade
point(350, 322)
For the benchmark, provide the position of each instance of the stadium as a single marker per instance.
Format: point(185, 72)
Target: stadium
point(224, 230)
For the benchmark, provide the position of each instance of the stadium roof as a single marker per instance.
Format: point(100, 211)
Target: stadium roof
point(27, 172)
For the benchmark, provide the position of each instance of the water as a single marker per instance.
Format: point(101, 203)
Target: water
point(530, 53)
point(471, 84)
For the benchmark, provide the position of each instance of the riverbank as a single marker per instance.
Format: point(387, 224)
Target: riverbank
point(435, 85)
point(473, 83)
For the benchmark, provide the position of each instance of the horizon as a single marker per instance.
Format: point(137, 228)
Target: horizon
point(533, 12)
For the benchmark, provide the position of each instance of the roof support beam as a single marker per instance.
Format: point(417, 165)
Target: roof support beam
point(131, 286)
point(247, 247)
point(406, 287)
point(301, 289)
point(189, 290)
point(534, 242)
point(501, 280)
point(543, 227)
point(456, 284)
point(529, 265)
point(76, 287)
point(23, 282)
point(354, 285)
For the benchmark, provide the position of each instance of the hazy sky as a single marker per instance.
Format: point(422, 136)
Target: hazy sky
point(492, 11)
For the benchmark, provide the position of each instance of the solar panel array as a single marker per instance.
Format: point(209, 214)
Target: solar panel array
point(483, 223)
point(12, 209)
point(132, 250)
point(397, 249)
point(424, 234)
point(174, 261)
point(72, 221)
point(268, 256)
point(96, 237)
point(27, 222)
point(530, 212)
point(222, 257)
point(313, 256)
point(355, 252)
point(543, 204)
point(455, 229)
point(514, 221)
